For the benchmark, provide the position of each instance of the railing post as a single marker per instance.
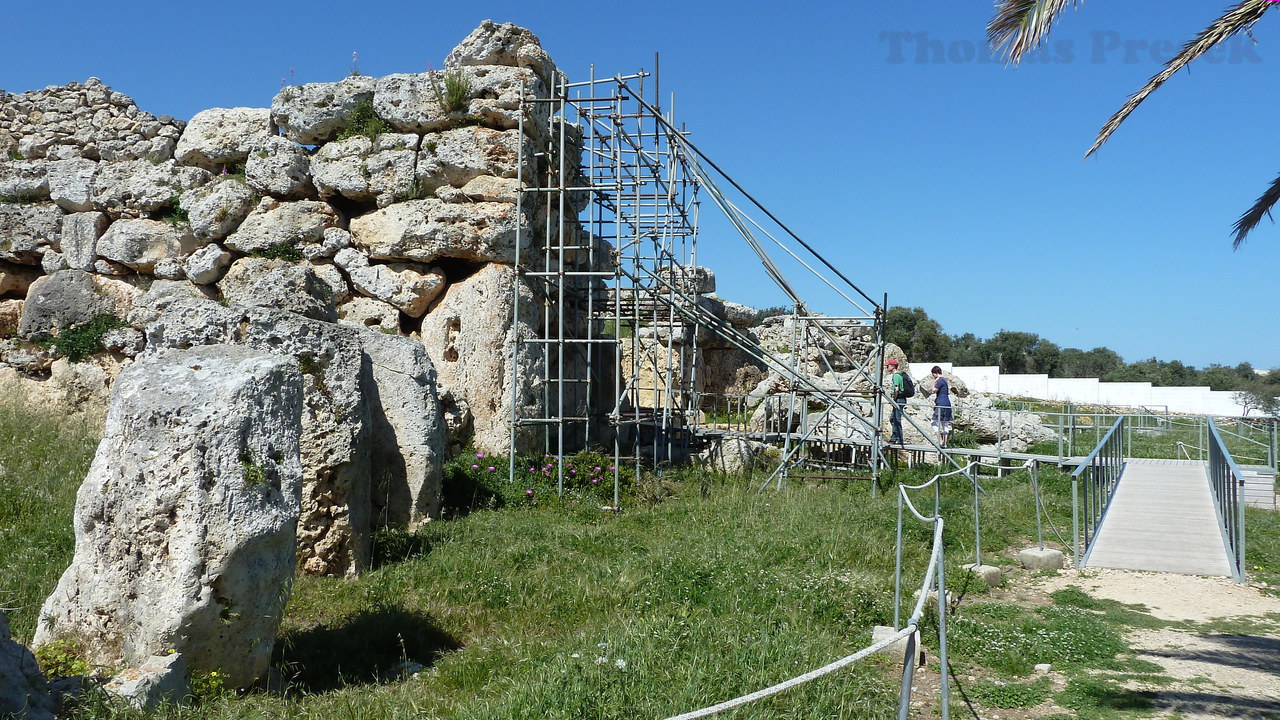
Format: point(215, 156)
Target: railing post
point(942, 632)
point(1075, 517)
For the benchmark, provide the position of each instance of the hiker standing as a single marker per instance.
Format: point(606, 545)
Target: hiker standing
point(941, 406)
point(897, 383)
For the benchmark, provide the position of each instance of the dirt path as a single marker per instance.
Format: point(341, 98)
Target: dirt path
point(1227, 665)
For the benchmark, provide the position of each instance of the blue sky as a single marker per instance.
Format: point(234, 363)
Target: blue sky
point(872, 129)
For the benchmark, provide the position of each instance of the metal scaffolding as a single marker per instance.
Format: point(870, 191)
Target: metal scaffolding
point(611, 314)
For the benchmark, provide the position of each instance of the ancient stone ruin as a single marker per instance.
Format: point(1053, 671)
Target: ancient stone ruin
point(306, 305)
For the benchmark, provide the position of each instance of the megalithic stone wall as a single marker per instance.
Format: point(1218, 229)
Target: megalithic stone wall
point(380, 205)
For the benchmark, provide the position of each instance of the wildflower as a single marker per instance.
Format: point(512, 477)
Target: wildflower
point(611, 468)
point(479, 456)
point(620, 664)
point(573, 472)
point(530, 469)
point(601, 645)
point(575, 655)
point(601, 660)
point(490, 468)
point(475, 467)
point(597, 468)
point(595, 480)
point(529, 492)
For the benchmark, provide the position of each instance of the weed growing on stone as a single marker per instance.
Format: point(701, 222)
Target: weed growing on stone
point(61, 658)
point(365, 122)
point(172, 212)
point(78, 342)
point(453, 95)
point(283, 250)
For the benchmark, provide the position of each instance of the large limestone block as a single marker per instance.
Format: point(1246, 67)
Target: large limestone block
point(414, 102)
point(274, 223)
point(27, 230)
point(218, 138)
point(455, 157)
point(314, 113)
point(185, 525)
point(503, 44)
point(205, 266)
point(28, 179)
point(140, 244)
point(16, 279)
point(467, 335)
point(407, 426)
point(279, 284)
point(71, 297)
point(334, 527)
point(80, 233)
point(409, 288)
point(424, 230)
point(11, 315)
point(280, 168)
point(24, 694)
point(137, 187)
point(363, 312)
point(71, 183)
point(215, 210)
point(338, 168)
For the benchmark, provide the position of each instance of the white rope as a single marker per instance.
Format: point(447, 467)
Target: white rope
point(798, 680)
point(912, 626)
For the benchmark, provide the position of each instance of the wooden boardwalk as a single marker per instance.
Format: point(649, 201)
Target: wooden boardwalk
point(1161, 518)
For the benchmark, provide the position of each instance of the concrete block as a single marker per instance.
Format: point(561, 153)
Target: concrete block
point(989, 574)
point(899, 648)
point(1046, 559)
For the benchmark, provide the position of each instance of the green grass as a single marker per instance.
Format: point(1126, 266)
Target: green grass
point(43, 459)
point(524, 605)
point(365, 122)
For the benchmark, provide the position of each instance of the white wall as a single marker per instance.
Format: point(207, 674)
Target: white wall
point(1090, 391)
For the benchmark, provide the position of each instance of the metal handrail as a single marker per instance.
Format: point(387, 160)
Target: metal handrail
point(1100, 472)
point(1227, 483)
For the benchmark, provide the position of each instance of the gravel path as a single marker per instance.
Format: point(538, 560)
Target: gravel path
point(1217, 674)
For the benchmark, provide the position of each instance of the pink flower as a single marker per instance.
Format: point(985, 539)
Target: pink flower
point(529, 491)
point(479, 456)
point(595, 480)
point(490, 468)
point(475, 467)
point(597, 468)
point(530, 469)
point(611, 467)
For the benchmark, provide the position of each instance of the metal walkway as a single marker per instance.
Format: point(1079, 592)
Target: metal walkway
point(1161, 518)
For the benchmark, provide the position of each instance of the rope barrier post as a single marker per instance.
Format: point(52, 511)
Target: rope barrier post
point(897, 570)
point(977, 519)
point(1075, 519)
point(942, 636)
point(908, 675)
point(1035, 489)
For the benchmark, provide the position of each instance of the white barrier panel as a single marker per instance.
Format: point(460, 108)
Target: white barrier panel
point(1076, 390)
point(1089, 391)
point(1126, 394)
point(1035, 386)
point(983, 379)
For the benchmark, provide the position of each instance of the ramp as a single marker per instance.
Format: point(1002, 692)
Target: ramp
point(1162, 518)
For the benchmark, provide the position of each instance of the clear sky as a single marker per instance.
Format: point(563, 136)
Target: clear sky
point(874, 129)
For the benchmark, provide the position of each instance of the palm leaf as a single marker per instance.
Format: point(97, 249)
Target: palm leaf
point(1021, 25)
point(1250, 219)
point(1237, 19)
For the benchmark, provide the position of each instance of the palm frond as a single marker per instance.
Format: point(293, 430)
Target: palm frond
point(1021, 25)
point(1237, 19)
point(1250, 219)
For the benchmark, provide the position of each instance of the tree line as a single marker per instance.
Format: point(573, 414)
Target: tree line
point(923, 340)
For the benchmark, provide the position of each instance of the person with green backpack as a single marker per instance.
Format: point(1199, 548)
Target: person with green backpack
point(901, 389)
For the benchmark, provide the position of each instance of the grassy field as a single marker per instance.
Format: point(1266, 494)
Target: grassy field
point(701, 590)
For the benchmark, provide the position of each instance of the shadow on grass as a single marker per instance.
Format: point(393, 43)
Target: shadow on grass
point(376, 646)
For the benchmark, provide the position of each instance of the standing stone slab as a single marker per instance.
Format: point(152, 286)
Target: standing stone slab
point(407, 428)
point(185, 526)
point(335, 521)
point(467, 336)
